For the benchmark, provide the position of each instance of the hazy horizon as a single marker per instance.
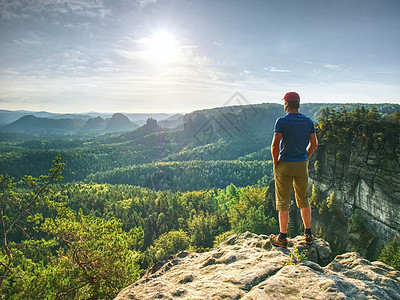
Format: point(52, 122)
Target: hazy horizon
point(164, 56)
point(187, 112)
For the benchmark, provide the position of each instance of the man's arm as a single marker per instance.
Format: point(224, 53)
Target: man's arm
point(312, 145)
point(275, 147)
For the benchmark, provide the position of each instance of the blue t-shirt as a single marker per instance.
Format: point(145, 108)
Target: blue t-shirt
point(296, 129)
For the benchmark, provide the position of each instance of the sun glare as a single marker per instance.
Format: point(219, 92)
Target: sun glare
point(163, 47)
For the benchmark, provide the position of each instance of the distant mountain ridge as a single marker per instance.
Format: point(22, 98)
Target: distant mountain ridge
point(9, 116)
point(170, 120)
point(35, 125)
point(173, 121)
point(32, 124)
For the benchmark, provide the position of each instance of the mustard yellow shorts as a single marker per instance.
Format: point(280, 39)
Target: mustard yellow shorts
point(287, 174)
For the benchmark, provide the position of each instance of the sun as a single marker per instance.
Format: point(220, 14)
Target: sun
point(163, 47)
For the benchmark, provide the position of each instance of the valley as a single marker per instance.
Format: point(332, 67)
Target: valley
point(185, 182)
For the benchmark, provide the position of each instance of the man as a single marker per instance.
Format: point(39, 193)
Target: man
point(293, 143)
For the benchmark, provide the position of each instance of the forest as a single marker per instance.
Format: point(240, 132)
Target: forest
point(83, 217)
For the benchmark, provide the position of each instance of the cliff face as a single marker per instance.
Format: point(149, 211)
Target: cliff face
point(365, 196)
point(247, 266)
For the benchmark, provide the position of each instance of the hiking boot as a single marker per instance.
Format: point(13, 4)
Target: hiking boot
point(276, 241)
point(309, 238)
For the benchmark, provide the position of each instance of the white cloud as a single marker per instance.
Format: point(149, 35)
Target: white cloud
point(4, 101)
point(169, 90)
point(332, 67)
point(274, 69)
point(11, 9)
point(351, 92)
point(143, 3)
point(22, 42)
point(83, 25)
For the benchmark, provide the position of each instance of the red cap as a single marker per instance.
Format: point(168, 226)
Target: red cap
point(291, 97)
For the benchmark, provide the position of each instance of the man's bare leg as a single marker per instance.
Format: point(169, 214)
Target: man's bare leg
point(283, 220)
point(306, 216)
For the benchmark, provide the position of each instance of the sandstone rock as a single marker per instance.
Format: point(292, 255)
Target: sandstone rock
point(247, 266)
point(347, 277)
point(365, 181)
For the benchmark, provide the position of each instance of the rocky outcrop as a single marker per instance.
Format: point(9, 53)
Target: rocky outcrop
point(118, 123)
point(359, 180)
point(150, 127)
point(248, 266)
point(94, 125)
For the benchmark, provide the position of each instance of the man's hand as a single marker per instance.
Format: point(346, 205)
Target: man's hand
point(275, 147)
point(312, 145)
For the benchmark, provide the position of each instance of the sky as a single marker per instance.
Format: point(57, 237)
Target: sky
point(148, 56)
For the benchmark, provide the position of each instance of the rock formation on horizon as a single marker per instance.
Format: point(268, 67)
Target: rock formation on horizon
point(247, 266)
point(94, 125)
point(150, 127)
point(118, 123)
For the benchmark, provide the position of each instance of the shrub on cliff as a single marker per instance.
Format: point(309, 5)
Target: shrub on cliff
point(362, 130)
point(390, 254)
point(167, 244)
point(357, 220)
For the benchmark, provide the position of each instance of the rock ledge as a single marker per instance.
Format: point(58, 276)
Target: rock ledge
point(247, 266)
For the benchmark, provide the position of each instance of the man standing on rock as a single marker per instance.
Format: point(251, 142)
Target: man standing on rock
point(293, 143)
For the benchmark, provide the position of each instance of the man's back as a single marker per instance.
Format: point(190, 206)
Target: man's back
point(295, 129)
